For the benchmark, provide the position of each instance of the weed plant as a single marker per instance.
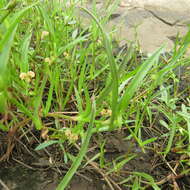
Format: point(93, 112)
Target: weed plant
point(52, 69)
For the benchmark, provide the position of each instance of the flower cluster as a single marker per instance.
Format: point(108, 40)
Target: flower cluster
point(70, 135)
point(106, 112)
point(66, 55)
point(27, 76)
point(49, 60)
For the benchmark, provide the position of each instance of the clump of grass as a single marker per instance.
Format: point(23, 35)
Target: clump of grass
point(51, 68)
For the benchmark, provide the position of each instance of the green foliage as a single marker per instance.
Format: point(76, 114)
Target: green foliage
point(82, 152)
point(51, 68)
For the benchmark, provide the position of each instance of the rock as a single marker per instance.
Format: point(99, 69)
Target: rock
point(174, 5)
point(148, 22)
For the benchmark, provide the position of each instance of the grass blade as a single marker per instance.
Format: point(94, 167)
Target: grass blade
point(81, 154)
point(137, 80)
point(113, 68)
point(24, 67)
point(5, 46)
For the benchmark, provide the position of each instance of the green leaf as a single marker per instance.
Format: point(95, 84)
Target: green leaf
point(45, 144)
point(75, 33)
point(136, 185)
point(113, 68)
point(17, 17)
point(79, 158)
point(138, 79)
point(149, 178)
point(4, 128)
point(5, 46)
point(148, 141)
point(24, 66)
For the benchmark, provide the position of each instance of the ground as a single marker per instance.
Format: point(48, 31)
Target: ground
point(147, 149)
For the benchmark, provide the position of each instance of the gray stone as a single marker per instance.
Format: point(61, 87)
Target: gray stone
point(151, 23)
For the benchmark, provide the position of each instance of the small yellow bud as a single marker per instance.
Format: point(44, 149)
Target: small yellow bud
point(106, 112)
point(74, 137)
point(66, 55)
point(27, 76)
point(23, 76)
point(47, 60)
point(70, 136)
point(44, 34)
point(68, 132)
point(31, 74)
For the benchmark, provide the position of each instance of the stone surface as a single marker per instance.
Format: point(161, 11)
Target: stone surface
point(148, 22)
point(172, 5)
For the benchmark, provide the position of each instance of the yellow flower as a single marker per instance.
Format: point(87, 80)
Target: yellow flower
point(68, 132)
point(70, 135)
point(66, 55)
point(106, 112)
point(23, 76)
point(74, 137)
point(44, 34)
point(47, 60)
point(27, 76)
point(31, 74)
point(99, 42)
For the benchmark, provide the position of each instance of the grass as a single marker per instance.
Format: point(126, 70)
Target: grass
point(54, 71)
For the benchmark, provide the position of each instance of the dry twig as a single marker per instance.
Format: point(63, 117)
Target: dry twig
point(4, 185)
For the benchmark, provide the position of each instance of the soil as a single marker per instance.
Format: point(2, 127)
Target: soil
point(18, 177)
point(24, 172)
